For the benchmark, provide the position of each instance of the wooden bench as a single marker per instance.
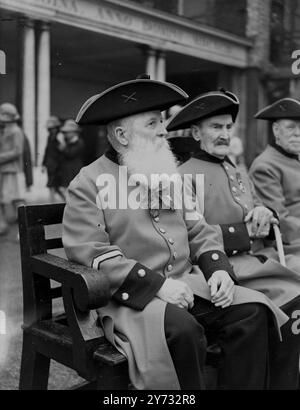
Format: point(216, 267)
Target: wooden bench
point(73, 337)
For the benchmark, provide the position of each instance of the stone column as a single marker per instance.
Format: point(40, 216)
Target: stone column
point(258, 29)
point(151, 63)
point(28, 82)
point(43, 88)
point(161, 66)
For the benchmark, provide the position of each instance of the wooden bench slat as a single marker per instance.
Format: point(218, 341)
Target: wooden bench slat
point(56, 268)
point(45, 214)
point(54, 243)
point(56, 292)
point(108, 354)
point(57, 333)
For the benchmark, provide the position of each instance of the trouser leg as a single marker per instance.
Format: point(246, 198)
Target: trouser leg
point(284, 356)
point(242, 333)
point(187, 345)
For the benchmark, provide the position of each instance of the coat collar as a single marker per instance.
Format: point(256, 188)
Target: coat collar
point(205, 156)
point(283, 152)
point(112, 154)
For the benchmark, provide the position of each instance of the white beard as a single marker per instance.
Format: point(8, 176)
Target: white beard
point(149, 157)
point(156, 162)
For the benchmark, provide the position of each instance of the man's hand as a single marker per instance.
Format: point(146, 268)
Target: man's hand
point(221, 289)
point(176, 292)
point(258, 222)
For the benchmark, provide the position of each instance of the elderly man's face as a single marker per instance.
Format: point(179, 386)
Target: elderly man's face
point(287, 135)
point(147, 129)
point(215, 134)
point(147, 150)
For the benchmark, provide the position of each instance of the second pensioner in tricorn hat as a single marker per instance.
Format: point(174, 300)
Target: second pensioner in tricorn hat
point(205, 106)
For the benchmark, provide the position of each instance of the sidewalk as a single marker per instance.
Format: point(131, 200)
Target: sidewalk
point(11, 304)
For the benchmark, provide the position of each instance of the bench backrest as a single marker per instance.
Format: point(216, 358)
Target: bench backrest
point(37, 291)
point(81, 288)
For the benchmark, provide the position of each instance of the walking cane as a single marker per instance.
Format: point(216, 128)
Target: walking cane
point(279, 244)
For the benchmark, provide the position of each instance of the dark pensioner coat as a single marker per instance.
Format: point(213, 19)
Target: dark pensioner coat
point(228, 197)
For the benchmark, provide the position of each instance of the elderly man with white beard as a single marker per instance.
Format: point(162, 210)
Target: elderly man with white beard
point(162, 305)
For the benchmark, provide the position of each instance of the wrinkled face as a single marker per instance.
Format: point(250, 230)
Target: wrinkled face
point(147, 128)
point(214, 134)
point(147, 150)
point(287, 135)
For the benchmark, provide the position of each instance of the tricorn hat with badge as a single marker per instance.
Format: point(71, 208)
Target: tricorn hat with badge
point(130, 98)
point(285, 108)
point(205, 106)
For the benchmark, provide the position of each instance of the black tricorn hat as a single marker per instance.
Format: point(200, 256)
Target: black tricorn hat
point(129, 98)
point(283, 108)
point(205, 106)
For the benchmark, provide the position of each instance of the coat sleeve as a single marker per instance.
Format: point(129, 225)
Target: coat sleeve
point(235, 235)
point(206, 245)
point(86, 241)
point(267, 182)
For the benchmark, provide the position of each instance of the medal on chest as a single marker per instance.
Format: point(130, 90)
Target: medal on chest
point(240, 183)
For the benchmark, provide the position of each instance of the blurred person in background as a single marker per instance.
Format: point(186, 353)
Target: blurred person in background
point(53, 158)
point(72, 150)
point(12, 181)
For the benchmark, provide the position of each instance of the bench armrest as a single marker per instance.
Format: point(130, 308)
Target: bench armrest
point(90, 287)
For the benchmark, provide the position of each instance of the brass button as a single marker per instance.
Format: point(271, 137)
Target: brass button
point(232, 177)
point(226, 167)
point(162, 230)
point(156, 219)
point(231, 229)
point(170, 267)
point(234, 189)
point(171, 241)
point(215, 257)
point(234, 252)
point(175, 255)
point(125, 296)
point(238, 199)
point(141, 273)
